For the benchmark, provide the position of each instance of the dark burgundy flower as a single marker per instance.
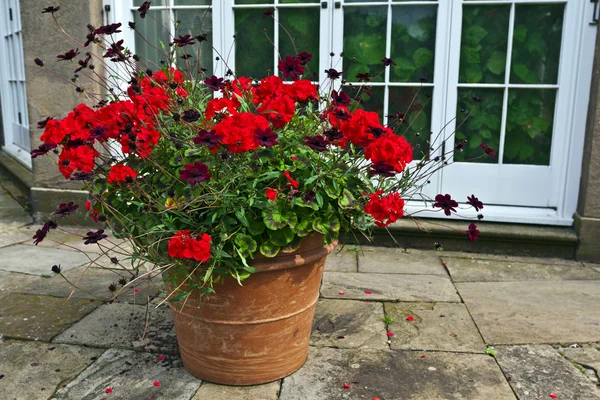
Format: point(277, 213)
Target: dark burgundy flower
point(65, 209)
point(42, 149)
point(341, 114)
point(97, 132)
point(131, 25)
point(108, 29)
point(309, 196)
point(333, 74)
point(473, 233)
point(304, 57)
point(446, 203)
point(184, 40)
point(190, 115)
point(113, 288)
point(215, 83)
point(363, 77)
point(382, 169)
point(209, 139)
point(290, 67)
point(94, 237)
point(387, 61)
point(400, 117)
point(480, 216)
point(333, 134)
point(186, 56)
point(474, 201)
point(265, 137)
point(69, 55)
point(423, 80)
point(51, 10)
point(83, 63)
point(269, 13)
point(340, 98)
point(488, 150)
point(194, 174)
point(114, 260)
point(477, 99)
point(40, 234)
point(82, 176)
point(376, 131)
point(90, 38)
point(38, 62)
point(202, 37)
point(144, 9)
point(115, 52)
point(317, 143)
point(56, 269)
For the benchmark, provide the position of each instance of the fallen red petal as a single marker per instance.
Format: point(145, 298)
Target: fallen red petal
point(346, 386)
point(443, 264)
point(422, 356)
point(160, 358)
point(108, 390)
point(410, 318)
point(390, 334)
point(368, 292)
point(553, 395)
point(136, 291)
point(156, 383)
point(342, 293)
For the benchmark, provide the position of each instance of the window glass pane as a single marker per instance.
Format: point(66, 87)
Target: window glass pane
point(482, 126)
point(416, 126)
point(253, 2)
point(413, 43)
point(253, 51)
point(536, 43)
point(483, 45)
point(195, 22)
point(364, 40)
point(298, 1)
point(529, 126)
point(150, 33)
point(155, 3)
point(371, 98)
point(192, 2)
point(300, 23)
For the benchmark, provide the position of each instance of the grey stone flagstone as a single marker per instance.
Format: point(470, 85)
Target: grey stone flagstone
point(38, 260)
point(399, 261)
point(210, 391)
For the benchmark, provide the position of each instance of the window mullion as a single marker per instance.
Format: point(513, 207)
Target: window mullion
point(388, 52)
point(511, 29)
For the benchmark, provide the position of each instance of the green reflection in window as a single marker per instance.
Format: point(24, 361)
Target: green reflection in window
point(484, 42)
point(194, 22)
point(153, 30)
point(536, 43)
point(413, 43)
point(482, 126)
point(364, 40)
point(371, 98)
point(529, 126)
point(300, 23)
point(253, 50)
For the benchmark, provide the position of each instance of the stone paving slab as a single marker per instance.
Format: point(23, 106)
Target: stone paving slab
point(13, 281)
point(38, 260)
point(342, 260)
point(500, 257)
point(349, 324)
point(474, 270)
point(435, 326)
point(210, 391)
point(587, 357)
point(132, 376)
point(534, 312)
point(388, 287)
point(536, 371)
point(34, 317)
point(122, 326)
point(399, 261)
point(33, 370)
point(395, 375)
point(92, 283)
point(10, 236)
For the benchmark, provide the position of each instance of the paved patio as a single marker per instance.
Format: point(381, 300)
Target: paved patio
point(390, 324)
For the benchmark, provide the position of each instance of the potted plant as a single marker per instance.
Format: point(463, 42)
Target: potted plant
point(234, 189)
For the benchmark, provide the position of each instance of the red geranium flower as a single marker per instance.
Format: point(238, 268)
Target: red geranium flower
point(389, 149)
point(385, 210)
point(121, 173)
point(302, 90)
point(271, 193)
point(291, 180)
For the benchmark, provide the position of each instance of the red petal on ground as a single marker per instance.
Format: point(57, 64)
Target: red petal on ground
point(553, 395)
point(390, 334)
point(156, 383)
point(346, 386)
point(410, 318)
point(108, 390)
point(160, 358)
point(342, 293)
point(368, 292)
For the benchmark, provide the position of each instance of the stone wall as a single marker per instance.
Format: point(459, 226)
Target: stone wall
point(49, 95)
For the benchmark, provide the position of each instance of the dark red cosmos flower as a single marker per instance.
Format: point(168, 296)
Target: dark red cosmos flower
point(144, 9)
point(269, 13)
point(474, 201)
point(304, 57)
point(82, 176)
point(38, 62)
point(376, 131)
point(69, 55)
point(40, 234)
point(290, 67)
point(382, 169)
point(473, 233)
point(488, 150)
point(194, 174)
point(341, 113)
point(121, 173)
point(333, 74)
point(387, 61)
point(340, 98)
point(51, 10)
point(333, 134)
point(65, 209)
point(115, 52)
point(190, 115)
point(42, 149)
point(184, 40)
point(266, 137)
point(215, 83)
point(97, 132)
point(446, 203)
point(317, 143)
point(291, 180)
point(94, 237)
point(363, 77)
point(209, 139)
point(108, 29)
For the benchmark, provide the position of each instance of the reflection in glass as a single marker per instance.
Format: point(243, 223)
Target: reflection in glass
point(155, 47)
point(300, 23)
point(253, 50)
point(195, 22)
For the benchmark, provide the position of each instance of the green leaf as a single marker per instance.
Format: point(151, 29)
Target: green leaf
point(281, 237)
point(485, 133)
point(220, 253)
point(475, 33)
point(347, 200)
point(422, 57)
point(301, 203)
point(526, 151)
point(474, 141)
point(304, 227)
point(290, 218)
point(327, 224)
point(319, 198)
point(490, 351)
point(474, 74)
point(521, 71)
point(294, 244)
point(256, 227)
point(331, 191)
point(268, 249)
point(497, 62)
point(273, 219)
point(310, 180)
point(520, 32)
point(242, 217)
point(245, 243)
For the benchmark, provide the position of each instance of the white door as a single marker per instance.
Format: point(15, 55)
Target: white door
point(12, 83)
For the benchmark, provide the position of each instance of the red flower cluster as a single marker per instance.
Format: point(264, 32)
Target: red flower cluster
point(385, 210)
point(182, 245)
point(121, 173)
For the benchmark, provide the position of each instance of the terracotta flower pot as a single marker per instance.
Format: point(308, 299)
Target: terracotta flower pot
point(258, 332)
